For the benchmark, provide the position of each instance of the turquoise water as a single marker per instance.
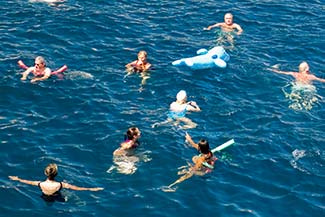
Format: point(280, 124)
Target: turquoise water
point(276, 167)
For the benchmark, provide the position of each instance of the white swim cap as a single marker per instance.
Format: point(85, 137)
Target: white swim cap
point(181, 95)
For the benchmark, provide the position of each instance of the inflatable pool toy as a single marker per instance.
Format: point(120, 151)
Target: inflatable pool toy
point(58, 72)
point(215, 57)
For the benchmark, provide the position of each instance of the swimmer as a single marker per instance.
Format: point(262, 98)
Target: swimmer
point(206, 158)
point(141, 65)
point(178, 110)
point(303, 76)
point(40, 71)
point(130, 141)
point(50, 187)
point(203, 163)
point(228, 25)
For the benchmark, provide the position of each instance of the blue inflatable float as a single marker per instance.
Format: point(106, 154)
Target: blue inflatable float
point(215, 57)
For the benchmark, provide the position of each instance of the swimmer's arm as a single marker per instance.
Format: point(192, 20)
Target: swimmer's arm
point(147, 67)
point(198, 162)
point(126, 145)
point(130, 64)
point(193, 106)
point(281, 72)
point(319, 79)
point(190, 140)
point(26, 73)
point(46, 75)
point(77, 188)
point(239, 29)
point(213, 26)
point(16, 178)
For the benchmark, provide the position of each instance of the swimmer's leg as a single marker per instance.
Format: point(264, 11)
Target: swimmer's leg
point(189, 124)
point(145, 76)
point(168, 121)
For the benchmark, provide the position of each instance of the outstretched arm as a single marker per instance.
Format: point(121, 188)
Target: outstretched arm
point(318, 79)
point(281, 72)
point(213, 26)
point(190, 140)
point(16, 178)
point(73, 187)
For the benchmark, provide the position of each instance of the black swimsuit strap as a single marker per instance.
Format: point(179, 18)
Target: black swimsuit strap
point(61, 186)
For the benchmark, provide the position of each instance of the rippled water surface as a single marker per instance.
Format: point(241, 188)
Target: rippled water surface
point(276, 167)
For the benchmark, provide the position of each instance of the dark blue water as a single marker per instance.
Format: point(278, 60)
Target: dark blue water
point(276, 167)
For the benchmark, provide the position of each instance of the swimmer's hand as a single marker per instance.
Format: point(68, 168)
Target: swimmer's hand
point(96, 189)
point(15, 178)
point(188, 137)
point(192, 103)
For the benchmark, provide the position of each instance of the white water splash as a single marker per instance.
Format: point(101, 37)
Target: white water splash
point(78, 75)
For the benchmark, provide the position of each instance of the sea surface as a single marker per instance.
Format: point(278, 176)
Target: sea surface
point(276, 166)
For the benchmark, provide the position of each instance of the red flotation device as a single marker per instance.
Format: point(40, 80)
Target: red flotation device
point(56, 72)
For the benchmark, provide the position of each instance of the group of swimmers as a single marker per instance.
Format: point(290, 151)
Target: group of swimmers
point(178, 109)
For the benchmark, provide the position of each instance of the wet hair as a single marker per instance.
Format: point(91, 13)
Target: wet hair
point(131, 133)
point(143, 52)
point(229, 14)
point(204, 146)
point(51, 171)
point(303, 66)
point(40, 59)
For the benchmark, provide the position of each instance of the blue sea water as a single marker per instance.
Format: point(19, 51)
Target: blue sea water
point(276, 167)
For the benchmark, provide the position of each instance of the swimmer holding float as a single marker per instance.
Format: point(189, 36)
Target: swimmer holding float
point(203, 163)
point(40, 71)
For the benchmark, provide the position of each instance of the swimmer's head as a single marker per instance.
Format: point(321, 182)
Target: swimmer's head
point(304, 67)
point(228, 18)
point(40, 61)
point(51, 171)
point(142, 55)
point(132, 133)
point(204, 146)
point(181, 95)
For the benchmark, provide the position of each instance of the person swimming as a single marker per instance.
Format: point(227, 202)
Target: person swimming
point(139, 65)
point(130, 141)
point(303, 94)
point(179, 108)
point(203, 163)
point(228, 31)
point(50, 187)
point(177, 111)
point(205, 160)
point(40, 71)
point(303, 76)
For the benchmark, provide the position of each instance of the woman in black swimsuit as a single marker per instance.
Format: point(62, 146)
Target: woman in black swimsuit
point(51, 188)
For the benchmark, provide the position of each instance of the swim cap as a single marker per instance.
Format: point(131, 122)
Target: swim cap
point(181, 95)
